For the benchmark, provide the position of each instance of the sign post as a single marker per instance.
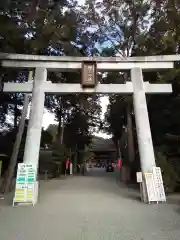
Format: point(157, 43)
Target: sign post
point(71, 169)
point(139, 177)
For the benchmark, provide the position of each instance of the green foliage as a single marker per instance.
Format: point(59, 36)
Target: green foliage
point(46, 138)
point(88, 155)
point(52, 130)
point(169, 173)
point(60, 154)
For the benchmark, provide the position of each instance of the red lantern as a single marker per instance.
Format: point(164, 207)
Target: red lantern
point(67, 163)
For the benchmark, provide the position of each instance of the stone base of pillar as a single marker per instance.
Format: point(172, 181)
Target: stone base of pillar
point(143, 192)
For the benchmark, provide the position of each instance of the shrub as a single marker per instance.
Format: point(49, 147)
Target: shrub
point(59, 156)
point(169, 174)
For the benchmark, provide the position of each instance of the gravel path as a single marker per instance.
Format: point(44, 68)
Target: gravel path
point(89, 207)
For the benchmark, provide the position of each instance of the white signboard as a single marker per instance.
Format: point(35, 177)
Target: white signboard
point(139, 177)
point(151, 191)
point(158, 182)
point(70, 169)
point(26, 184)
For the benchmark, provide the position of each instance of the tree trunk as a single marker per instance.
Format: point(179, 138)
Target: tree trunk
point(123, 138)
point(75, 160)
point(118, 149)
point(59, 123)
point(130, 134)
point(60, 132)
point(13, 161)
point(122, 142)
point(15, 116)
point(116, 143)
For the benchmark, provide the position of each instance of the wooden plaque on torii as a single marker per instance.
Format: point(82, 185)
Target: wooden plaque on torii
point(89, 74)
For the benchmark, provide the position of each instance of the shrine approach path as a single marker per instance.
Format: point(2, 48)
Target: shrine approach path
point(91, 207)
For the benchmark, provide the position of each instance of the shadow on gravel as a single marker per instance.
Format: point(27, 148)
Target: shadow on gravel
point(127, 191)
point(130, 191)
point(7, 200)
point(173, 199)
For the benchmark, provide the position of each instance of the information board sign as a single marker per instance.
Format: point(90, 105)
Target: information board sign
point(158, 182)
point(25, 191)
point(151, 191)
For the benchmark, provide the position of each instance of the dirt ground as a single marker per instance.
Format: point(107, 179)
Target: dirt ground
point(89, 207)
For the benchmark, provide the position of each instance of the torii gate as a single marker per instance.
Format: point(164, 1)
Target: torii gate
point(89, 65)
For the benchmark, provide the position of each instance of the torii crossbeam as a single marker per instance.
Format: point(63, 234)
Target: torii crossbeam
point(63, 88)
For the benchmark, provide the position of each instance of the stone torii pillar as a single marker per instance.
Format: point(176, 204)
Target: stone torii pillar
point(146, 150)
point(143, 129)
point(33, 137)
